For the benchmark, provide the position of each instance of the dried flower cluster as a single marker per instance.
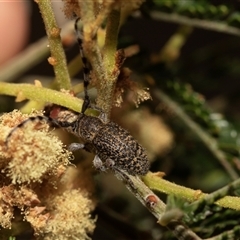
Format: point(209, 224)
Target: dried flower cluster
point(32, 154)
point(71, 7)
point(70, 216)
point(33, 165)
point(124, 83)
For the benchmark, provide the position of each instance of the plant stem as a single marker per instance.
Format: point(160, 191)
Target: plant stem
point(104, 67)
point(57, 58)
point(90, 44)
point(156, 183)
point(32, 92)
point(154, 204)
point(228, 235)
point(107, 86)
point(205, 24)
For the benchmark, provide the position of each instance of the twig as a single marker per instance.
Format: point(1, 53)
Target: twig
point(90, 44)
point(220, 194)
point(73, 67)
point(107, 86)
point(210, 142)
point(104, 67)
point(57, 59)
point(208, 25)
point(150, 200)
point(32, 92)
point(227, 235)
point(154, 182)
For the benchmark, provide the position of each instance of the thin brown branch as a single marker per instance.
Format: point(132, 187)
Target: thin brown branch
point(199, 23)
point(155, 205)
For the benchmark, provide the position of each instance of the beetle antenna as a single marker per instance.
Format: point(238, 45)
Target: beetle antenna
point(86, 69)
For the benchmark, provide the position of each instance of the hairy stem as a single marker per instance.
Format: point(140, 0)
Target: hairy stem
point(104, 68)
point(57, 59)
point(107, 86)
point(32, 92)
point(156, 183)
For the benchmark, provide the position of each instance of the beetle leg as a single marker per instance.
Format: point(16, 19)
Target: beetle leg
point(98, 164)
point(109, 163)
point(86, 67)
point(75, 146)
point(103, 117)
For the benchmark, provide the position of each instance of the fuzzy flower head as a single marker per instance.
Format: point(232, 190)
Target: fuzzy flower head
point(31, 150)
point(69, 217)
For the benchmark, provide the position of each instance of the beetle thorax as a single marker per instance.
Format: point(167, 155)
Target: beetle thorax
point(88, 127)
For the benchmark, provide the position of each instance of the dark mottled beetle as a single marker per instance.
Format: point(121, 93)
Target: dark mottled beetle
point(114, 147)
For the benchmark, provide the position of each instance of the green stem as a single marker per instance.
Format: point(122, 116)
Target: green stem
point(87, 12)
point(107, 86)
point(57, 58)
point(156, 183)
point(231, 234)
point(73, 68)
point(90, 44)
point(32, 92)
point(104, 68)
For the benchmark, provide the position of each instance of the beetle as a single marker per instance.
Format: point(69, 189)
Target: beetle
point(114, 147)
